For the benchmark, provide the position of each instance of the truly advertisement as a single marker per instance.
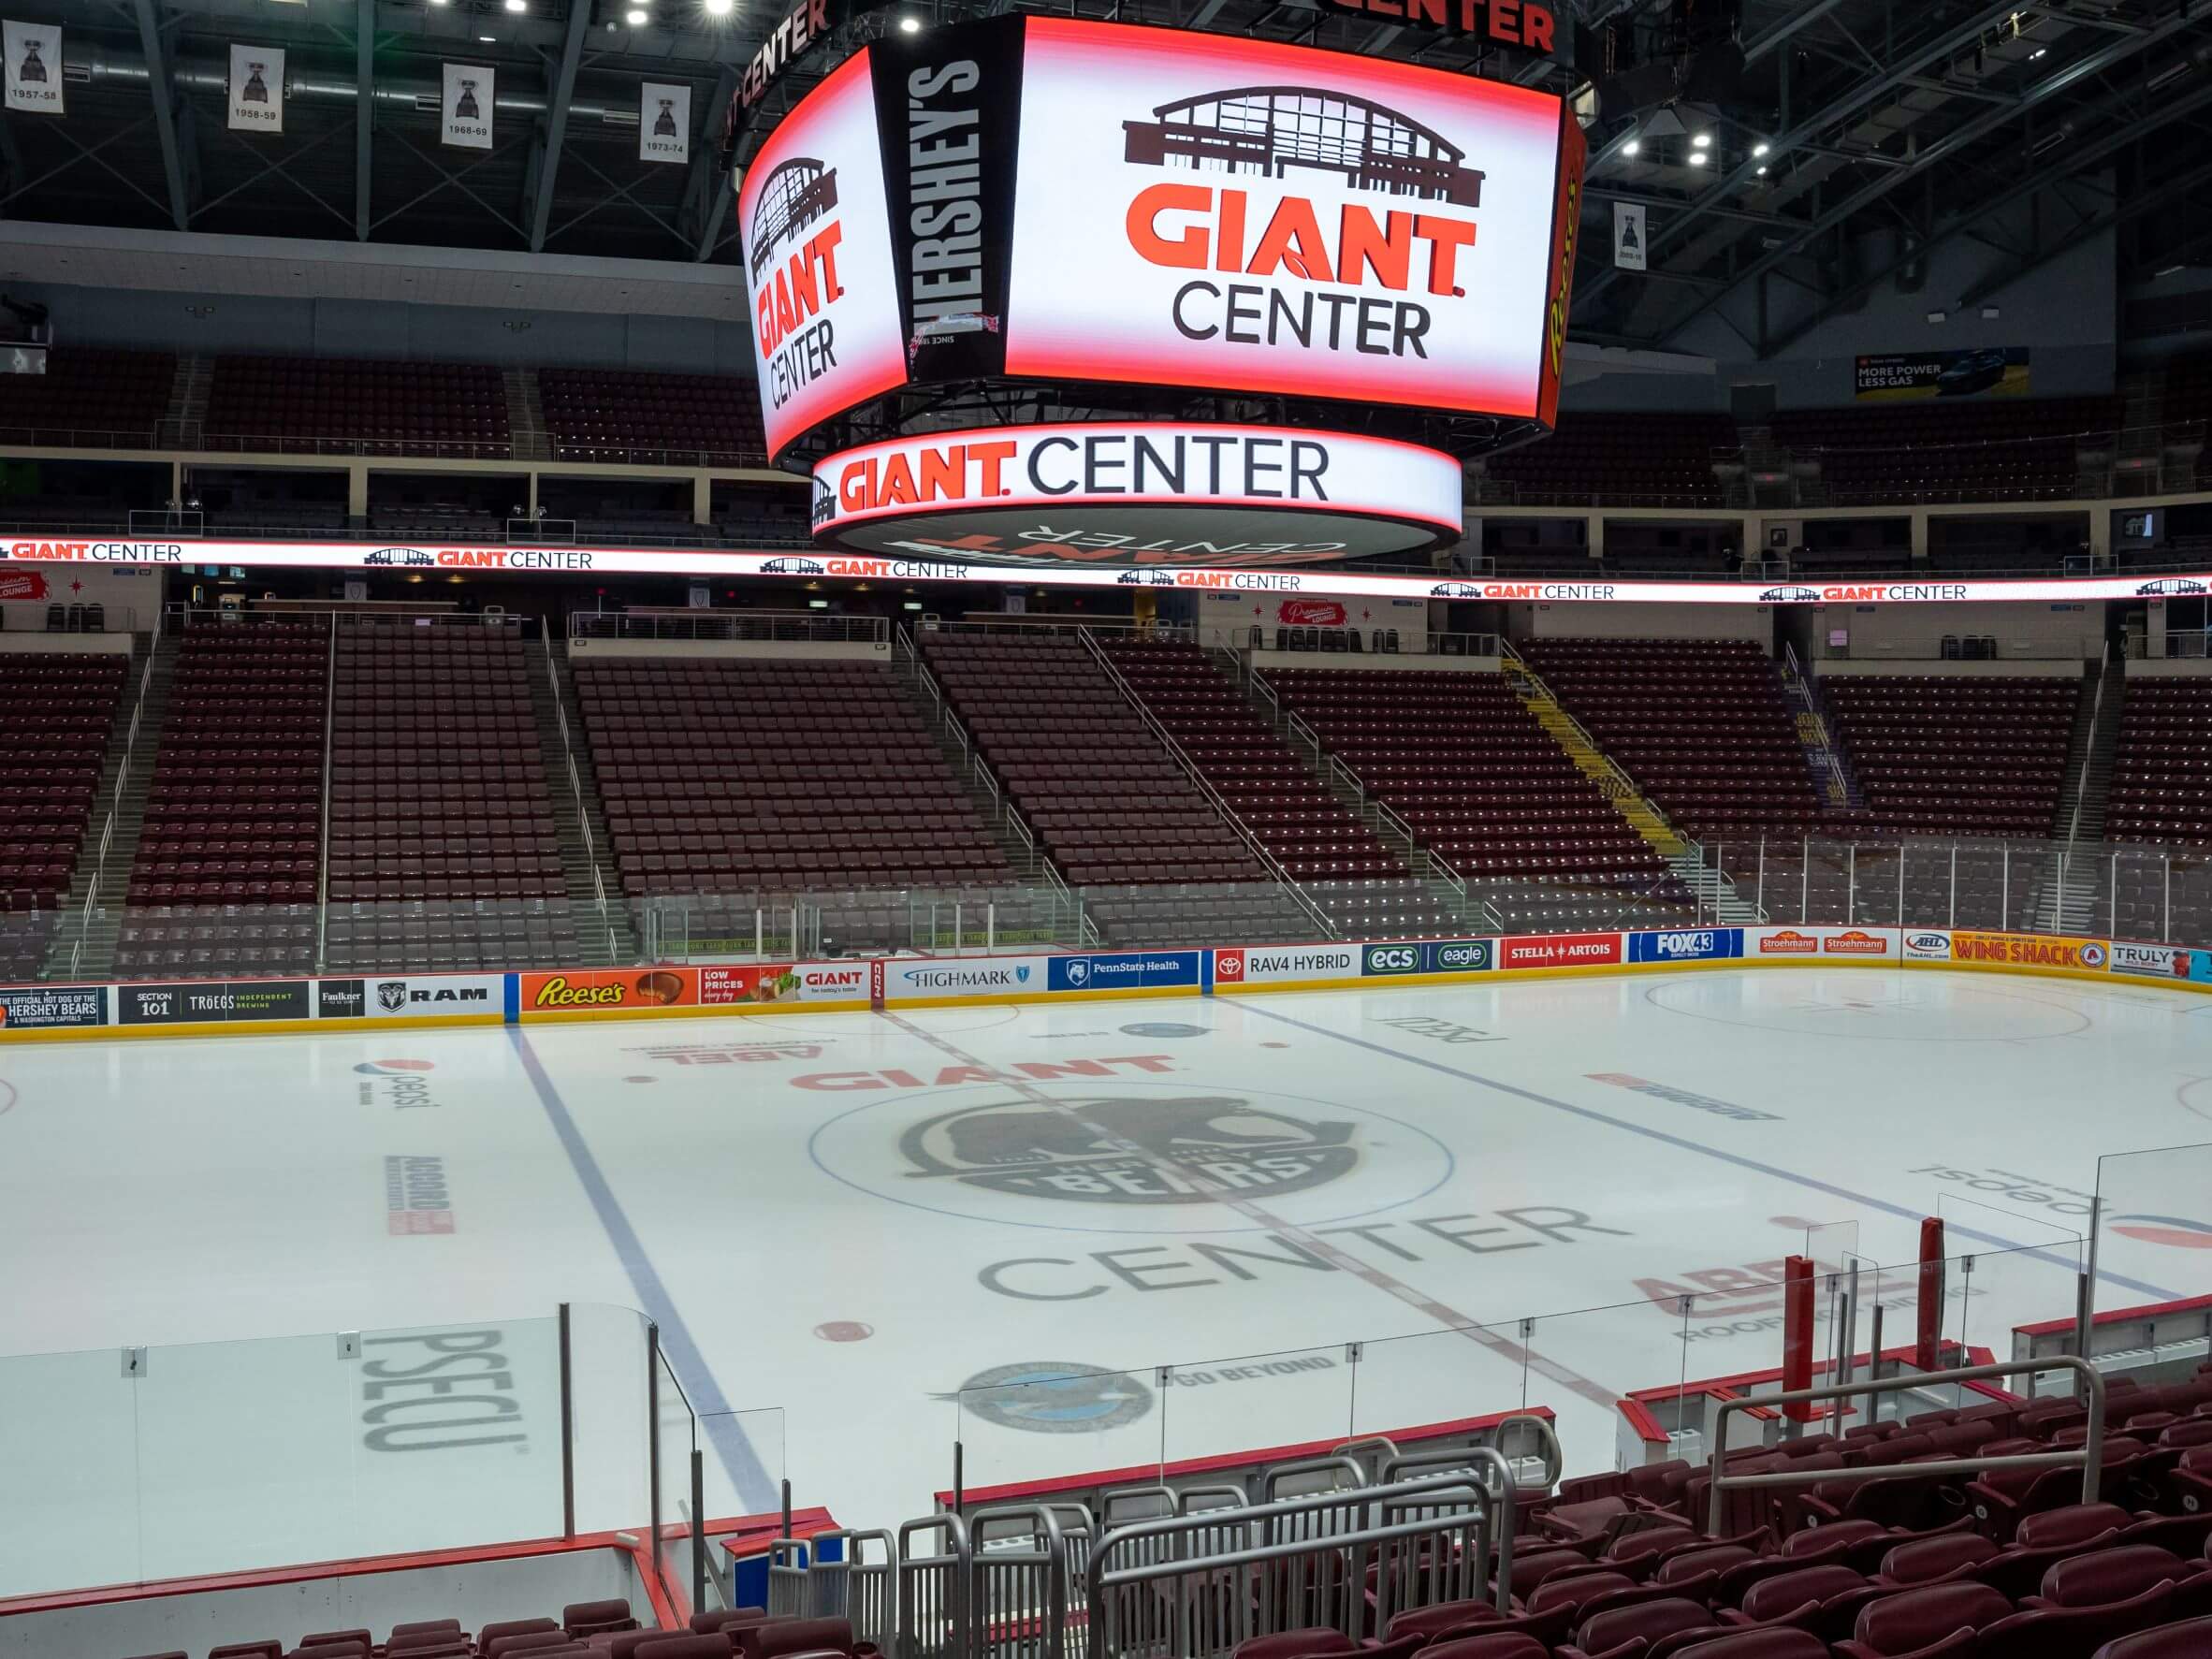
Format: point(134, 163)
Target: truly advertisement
point(1208, 210)
point(818, 264)
point(2031, 950)
point(2164, 962)
point(1561, 950)
point(1696, 944)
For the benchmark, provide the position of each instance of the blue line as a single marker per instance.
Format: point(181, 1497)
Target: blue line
point(756, 1491)
point(1688, 1145)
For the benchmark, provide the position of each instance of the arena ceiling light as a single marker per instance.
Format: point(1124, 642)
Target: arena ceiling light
point(1697, 159)
point(518, 5)
point(909, 25)
point(720, 7)
point(636, 17)
point(1633, 146)
point(1703, 140)
point(1761, 148)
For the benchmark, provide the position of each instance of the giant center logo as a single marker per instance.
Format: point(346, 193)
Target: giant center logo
point(1179, 1149)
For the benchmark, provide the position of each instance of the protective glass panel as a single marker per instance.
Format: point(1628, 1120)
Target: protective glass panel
point(1438, 1377)
point(1041, 1421)
point(608, 1417)
point(1581, 1362)
point(1995, 1301)
point(2154, 1227)
point(1277, 1402)
point(677, 1439)
point(70, 1470)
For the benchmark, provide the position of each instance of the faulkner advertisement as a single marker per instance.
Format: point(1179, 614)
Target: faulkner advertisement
point(818, 262)
point(1206, 210)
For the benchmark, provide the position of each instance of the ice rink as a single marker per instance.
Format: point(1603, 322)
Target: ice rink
point(848, 1218)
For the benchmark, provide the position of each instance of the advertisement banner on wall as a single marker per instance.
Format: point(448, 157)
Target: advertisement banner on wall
point(2027, 949)
point(1864, 944)
point(1266, 965)
point(983, 978)
point(214, 1001)
point(1560, 950)
point(50, 1007)
point(1436, 955)
point(256, 88)
point(750, 984)
point(417, 999)
point(1124, 970)
point(31, 66)
point(1926, 944)
point(1781, 943)
point(1699, 944)
point(2161, 962)
point(664, 122)
point(465, 111)
point(1980, 373)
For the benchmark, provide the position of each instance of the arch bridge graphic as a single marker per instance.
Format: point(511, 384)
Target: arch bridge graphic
point(1274, 130)
point(797, 194)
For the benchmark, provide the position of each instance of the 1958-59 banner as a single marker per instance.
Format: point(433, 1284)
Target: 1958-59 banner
point(1068, 200)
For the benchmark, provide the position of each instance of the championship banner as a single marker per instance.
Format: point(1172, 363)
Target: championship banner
point(1628, 236)
point(1986, 372)
point(256, 88)
point(464, 119)
point(664, 123)
point(33, 66)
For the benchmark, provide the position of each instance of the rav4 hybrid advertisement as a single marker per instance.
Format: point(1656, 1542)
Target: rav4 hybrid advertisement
point(1062, 199)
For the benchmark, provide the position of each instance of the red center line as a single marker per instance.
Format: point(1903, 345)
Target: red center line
point(1457, 1322)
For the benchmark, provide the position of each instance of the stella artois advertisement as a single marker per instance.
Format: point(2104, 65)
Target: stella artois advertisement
point(818, 267)
point(1204, 211)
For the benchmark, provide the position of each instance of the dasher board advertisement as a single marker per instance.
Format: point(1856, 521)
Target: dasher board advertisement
point(818, 269)
point(1217, 211)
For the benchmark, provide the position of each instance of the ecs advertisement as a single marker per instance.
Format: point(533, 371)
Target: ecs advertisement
point(1196, 210)
point(818, 269)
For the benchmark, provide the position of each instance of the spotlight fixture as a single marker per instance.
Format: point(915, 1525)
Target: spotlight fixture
point(720, 7)
point(1761, 147)
point(518, 6)
point(909, 25)
point(1703, 140)
point(1762, 172)
point(1632, 146)
point(1697, 159)
point(635, 17)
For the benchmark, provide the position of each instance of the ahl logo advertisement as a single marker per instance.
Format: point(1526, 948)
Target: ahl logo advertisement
point(1199, 209)
point(818, 268)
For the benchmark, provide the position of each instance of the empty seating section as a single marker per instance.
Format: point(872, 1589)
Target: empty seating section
point(1342, 863)
point(2161, 772)
point(1700, 724)
point(605, 414)
point(357, 406)
point(61, 715)
point(445, 847)
point(585, 1630)
point(1485, 789)
point(90, 399)
point(1108, 803)
point(1948, 755)
point(225, 879)
point(1999, 450)
point(755, 778)
point(1664, 461)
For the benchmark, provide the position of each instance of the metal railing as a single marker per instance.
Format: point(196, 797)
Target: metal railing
point(2081, 781)
point(576, 785)
point(1807, 691)
point(123, 772)
point(2088, 1458)
point(801, 627)
point(1214, 797)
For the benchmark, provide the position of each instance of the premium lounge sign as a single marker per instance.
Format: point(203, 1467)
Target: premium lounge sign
point(1164, 493)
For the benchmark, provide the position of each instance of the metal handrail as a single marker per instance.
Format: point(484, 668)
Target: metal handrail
point(122, 774)
point(322, 854)
point(2081, 783)
point(576, 785)
point(1213, 796)
point(2089, 1457)
point(1795, 675)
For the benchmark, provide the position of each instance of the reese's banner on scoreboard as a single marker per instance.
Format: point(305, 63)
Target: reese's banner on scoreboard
point(1997, 370)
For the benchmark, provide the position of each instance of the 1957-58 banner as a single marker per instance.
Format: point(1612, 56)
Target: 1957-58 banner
point(1068, 200)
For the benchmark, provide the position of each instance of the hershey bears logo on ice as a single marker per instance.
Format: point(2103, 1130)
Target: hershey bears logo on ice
point(1180, 1150)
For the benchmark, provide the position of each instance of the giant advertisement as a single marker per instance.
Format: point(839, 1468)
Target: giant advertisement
point(1199, 209)
point(818, 267)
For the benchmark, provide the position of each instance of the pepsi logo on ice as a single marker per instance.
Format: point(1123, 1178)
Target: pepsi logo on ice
point(1705, 944)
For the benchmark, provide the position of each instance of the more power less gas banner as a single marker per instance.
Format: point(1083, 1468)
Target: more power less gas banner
point(1980, 373)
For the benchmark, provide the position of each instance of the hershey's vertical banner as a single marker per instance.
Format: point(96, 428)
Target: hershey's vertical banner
point(1628, 236)
point(32, 75)
point(664, 123)
point(256, 88)
point(948, 102)
point(465, 119)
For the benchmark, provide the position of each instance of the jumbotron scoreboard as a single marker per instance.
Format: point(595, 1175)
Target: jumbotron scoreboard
point(1029, 285)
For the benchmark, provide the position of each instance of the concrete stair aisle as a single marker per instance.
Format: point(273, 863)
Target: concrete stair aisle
point(992, 804)
point(183, 424)
point(1443, 883)
point(586, 850)
point(526, 416)
point(1832, 773)
point(1715, 894)
point(2075, 898)
point(85, 948)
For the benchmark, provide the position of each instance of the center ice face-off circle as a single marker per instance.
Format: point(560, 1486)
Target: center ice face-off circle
point(1132, 1157)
